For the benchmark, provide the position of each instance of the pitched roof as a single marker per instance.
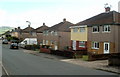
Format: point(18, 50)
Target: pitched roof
point(27, 29)
point(112, 17)
point(42, 28)
point(62, 26)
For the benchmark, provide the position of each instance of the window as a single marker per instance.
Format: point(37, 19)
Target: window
point(33, 33)
point(82, 29)
point(75, 29)
point(30, 32)
point(43, 42)
point(95, 45)
point(45, 32)
point(51, 42)
point(55, 33)
point(52, 32)
point(106, 28)
point(82, 44)
point(46, 42)
point(95, 28)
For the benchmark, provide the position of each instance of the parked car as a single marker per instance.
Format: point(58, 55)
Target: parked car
point(5, 41)
point(14, 46)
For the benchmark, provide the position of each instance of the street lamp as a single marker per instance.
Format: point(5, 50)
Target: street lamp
point(29, 23)
point(29, 26)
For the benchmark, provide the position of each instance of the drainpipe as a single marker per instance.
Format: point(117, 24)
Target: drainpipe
point(114, 21)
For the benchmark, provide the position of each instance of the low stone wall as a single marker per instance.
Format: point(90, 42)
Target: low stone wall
point(114, 60)
point(44, 50)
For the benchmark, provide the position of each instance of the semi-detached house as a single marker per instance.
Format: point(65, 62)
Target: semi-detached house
point(103, 33)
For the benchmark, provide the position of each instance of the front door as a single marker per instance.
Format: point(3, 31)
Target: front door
point(106, 47)
point(74, 45)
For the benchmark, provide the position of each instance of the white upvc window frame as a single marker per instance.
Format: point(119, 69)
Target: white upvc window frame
point(82, 29)
point(75, 30)
point(34, 34)
point(95, 45)
point(46, 42)
point(97, 27)
point(43, 42)
point(106, 28)
point(52, 32)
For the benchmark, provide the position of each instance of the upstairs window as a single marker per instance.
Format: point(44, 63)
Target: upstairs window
point(106, 28)
point(55, 33)
point(75, 29)
point(52, 32)
point(45, 32)
point(82, 29)
point(95, 29)
point(34, 34)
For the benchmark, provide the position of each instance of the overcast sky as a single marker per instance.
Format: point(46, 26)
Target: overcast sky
point(15, 13)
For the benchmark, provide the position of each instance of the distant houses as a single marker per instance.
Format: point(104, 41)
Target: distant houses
point(39, 32)
point(58, 36)
point(29, 32)
point(96, 35)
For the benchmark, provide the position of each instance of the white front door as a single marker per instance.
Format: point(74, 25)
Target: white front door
point(106, 47)
point(74, 45)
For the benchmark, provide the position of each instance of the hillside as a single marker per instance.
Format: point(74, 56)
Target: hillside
point(3, 29)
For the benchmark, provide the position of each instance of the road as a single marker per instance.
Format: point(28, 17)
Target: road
point(17, 62)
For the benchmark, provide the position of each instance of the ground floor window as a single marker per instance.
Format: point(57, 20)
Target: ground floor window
point(95, 45)
point(46, 42)
point(43, 42)
point(82, 44)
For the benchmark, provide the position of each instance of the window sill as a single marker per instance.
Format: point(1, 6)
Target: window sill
point(95, 48)
point(95, 32)
point(82, 46)
point(106, 32)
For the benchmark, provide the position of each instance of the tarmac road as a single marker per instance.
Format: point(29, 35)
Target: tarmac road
point(17, 62)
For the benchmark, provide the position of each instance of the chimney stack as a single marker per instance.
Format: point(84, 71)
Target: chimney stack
point(28, 25)
point(15, 28)
point(43, 24)
point(64, 20)
point(18, 27)
point(107, 8)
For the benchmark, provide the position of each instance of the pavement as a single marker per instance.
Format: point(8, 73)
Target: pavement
point(99, 64)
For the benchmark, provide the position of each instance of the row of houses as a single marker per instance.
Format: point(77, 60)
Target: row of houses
point(98, 34)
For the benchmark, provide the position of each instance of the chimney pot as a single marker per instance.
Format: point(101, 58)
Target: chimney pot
point(43, 24)
point(28, 25)
point(15, 28)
